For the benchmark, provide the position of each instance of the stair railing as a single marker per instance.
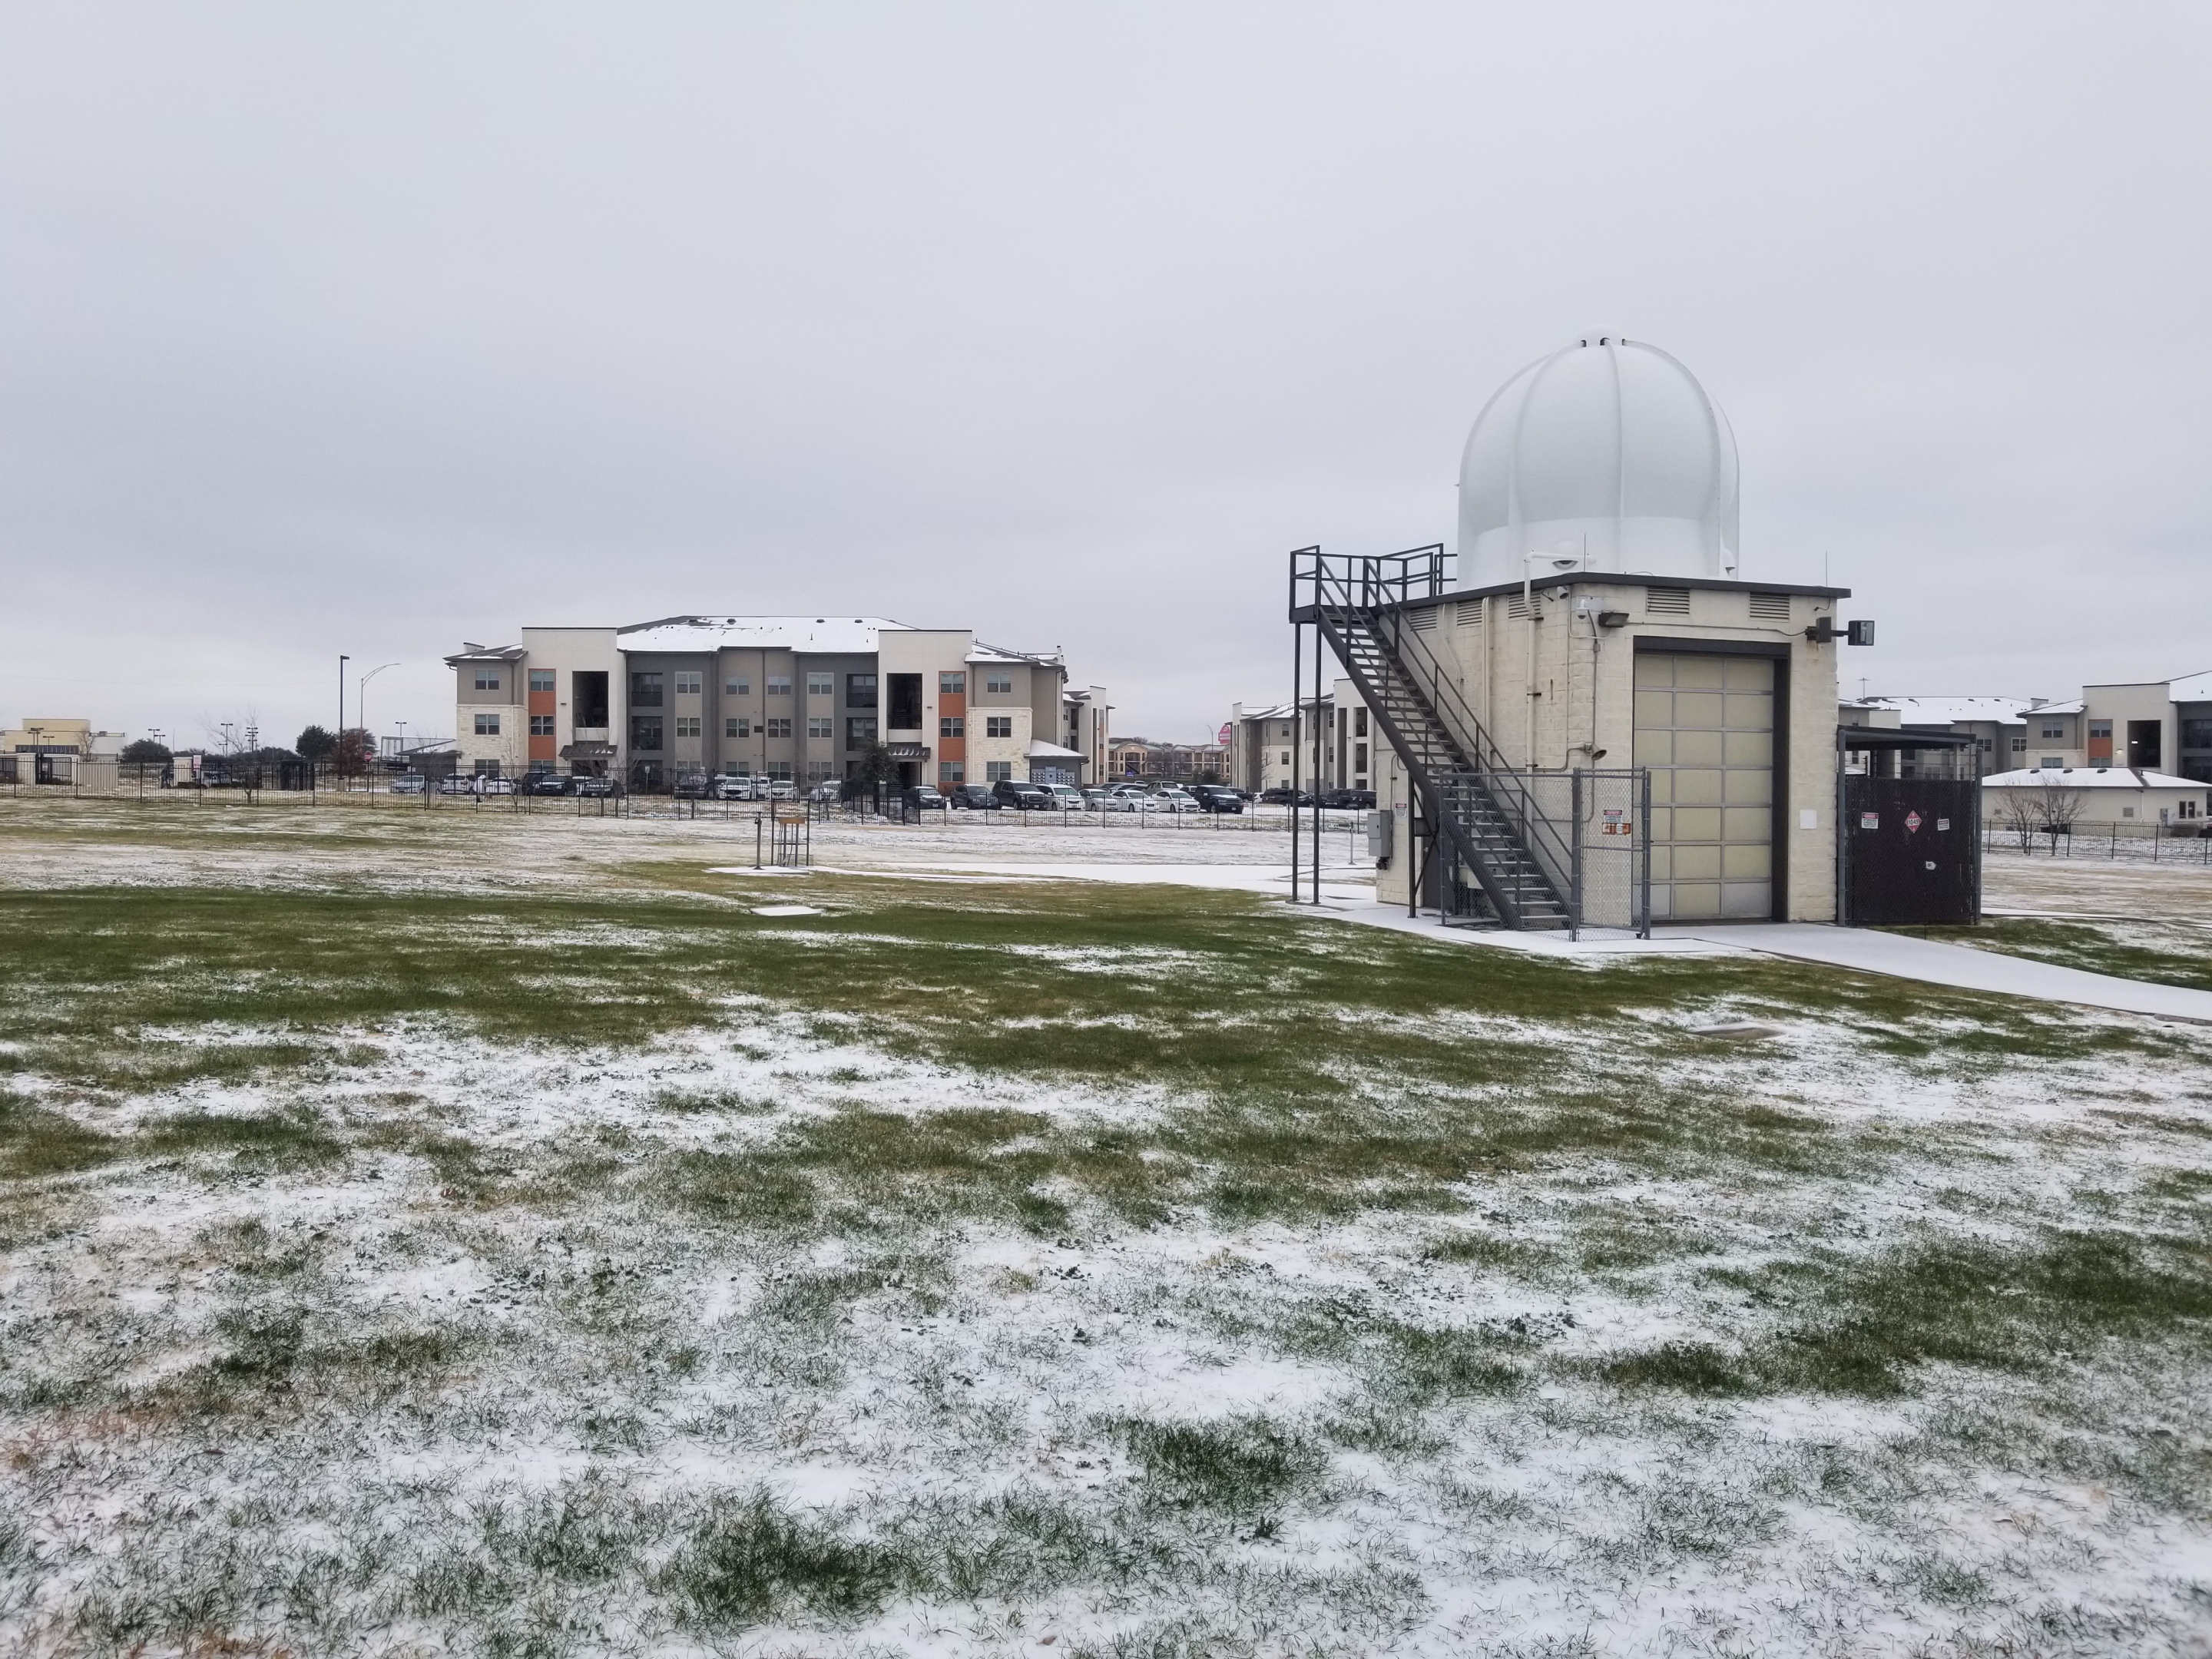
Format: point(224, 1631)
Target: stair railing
point(1346, 595)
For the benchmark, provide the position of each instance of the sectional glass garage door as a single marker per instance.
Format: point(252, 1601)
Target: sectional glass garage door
point(1705, 725)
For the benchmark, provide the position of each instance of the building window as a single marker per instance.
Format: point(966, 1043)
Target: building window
point(1360, 758)
point(687, 685)
point(737, 769)
point(997, 771)
point(2101, 729)
point(541, 725)
point(737, 726)
point(780, 771)
point(998, 726)
point(1286, 757)
point(956, 683)
point(778, 685)
point(644, 691)
point(951, 772)
point(541, 767)
point(2020, 745)
point(2053, 762)
point(1000, 682)
point(645, 732)
point(2195, 734)
point(820, 725)
point(821, 685)
point(487, 725)
point(737, 685)
point(2051, 731)
point(487, 769)
point(860, 690)
point(1359, 722)
point(2127, 811)
point(860, 731)
point(952, 725)
point(687, 726)
point(821, 771)
point(487, 679)
point(777, 725)
point(541, 679)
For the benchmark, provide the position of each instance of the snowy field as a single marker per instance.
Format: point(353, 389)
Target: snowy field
point(477, 1233)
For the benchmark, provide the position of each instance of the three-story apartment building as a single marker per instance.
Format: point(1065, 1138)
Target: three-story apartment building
point(792, 698)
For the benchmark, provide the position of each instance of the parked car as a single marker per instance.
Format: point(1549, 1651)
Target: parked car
point(732, 787)
point(1217, 797)
point(1282, 795)
point(828, 794)
point(691, 786)
point(545, 783)
point(975, 797)
point(453, 784)
point(409, 783)
point(1064, 795)
point(1098, 800)
point(1021, 796)
point(1350, 799)
point(588, 784)
point(924, 798)
point(782, 789)
point(1177, 800)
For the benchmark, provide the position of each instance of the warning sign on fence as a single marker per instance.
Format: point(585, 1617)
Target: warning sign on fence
point(1616, 823)
point(1911, 822)
point(1869, 820)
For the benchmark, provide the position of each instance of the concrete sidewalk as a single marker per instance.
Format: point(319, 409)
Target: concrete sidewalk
point(1865, 951)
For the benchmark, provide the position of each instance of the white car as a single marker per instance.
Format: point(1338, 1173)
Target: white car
point(1065, 796)
point(732, 787)
point(1174, 800)
point(1098, 800)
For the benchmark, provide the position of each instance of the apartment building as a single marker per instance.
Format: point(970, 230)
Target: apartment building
point(1168, 763)
point(793, 698)
point(1269, 743)
point(2150, 725)
point(2155, 725)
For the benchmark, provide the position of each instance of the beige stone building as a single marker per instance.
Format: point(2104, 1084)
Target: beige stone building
point(1594, 618)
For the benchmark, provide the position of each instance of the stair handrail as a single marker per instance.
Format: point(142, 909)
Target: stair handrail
point(1380, 588)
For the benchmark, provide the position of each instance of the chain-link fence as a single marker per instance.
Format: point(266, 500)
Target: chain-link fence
point(1590, 833)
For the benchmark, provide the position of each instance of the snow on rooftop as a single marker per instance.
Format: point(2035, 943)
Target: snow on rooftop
point(856, 635)
point(1945, 711)
point(2190, 688)
point(2088, 777)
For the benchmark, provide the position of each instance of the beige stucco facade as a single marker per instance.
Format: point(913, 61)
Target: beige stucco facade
point(1553, 680)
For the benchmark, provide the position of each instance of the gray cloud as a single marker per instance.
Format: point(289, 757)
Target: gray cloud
point(367, 330)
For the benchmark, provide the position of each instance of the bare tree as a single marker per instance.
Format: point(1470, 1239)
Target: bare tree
point(2018, 815)
point(2057, 806)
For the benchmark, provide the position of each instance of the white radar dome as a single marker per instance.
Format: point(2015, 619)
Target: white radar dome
point(1607, 455)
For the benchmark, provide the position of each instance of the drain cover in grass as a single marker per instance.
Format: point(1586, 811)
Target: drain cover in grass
point(785, 910)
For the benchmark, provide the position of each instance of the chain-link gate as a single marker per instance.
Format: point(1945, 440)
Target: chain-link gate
point(1591, 832)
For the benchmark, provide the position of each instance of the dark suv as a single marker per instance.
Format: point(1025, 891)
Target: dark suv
point(975, 797)
point(1022, 797)
point(924, 798)
point(1217, 797)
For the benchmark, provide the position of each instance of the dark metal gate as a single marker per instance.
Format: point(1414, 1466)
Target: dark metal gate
point(1911, 852)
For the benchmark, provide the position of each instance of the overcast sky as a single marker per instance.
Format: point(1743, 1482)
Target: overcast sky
point(370, 329)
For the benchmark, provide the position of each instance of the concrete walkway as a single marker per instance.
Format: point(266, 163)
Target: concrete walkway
point(1346, 898)
point(1865, 951)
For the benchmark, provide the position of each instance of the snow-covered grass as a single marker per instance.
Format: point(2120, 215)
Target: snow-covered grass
point(586, 1266)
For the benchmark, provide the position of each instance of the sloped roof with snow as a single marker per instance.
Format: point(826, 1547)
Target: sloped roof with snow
point(2190, 688)
point(1945, 711)
point(678, 635)
point(2089, 777)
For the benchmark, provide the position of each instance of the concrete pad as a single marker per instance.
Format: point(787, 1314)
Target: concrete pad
point(1899, 956)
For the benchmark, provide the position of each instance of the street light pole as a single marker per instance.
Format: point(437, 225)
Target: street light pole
point(360, 707)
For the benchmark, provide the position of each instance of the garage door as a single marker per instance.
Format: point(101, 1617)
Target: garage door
point(1705, 725)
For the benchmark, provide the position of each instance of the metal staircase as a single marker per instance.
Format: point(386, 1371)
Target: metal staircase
point(1484, 812)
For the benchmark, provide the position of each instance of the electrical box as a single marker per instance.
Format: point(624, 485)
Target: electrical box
point(1378, 838)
